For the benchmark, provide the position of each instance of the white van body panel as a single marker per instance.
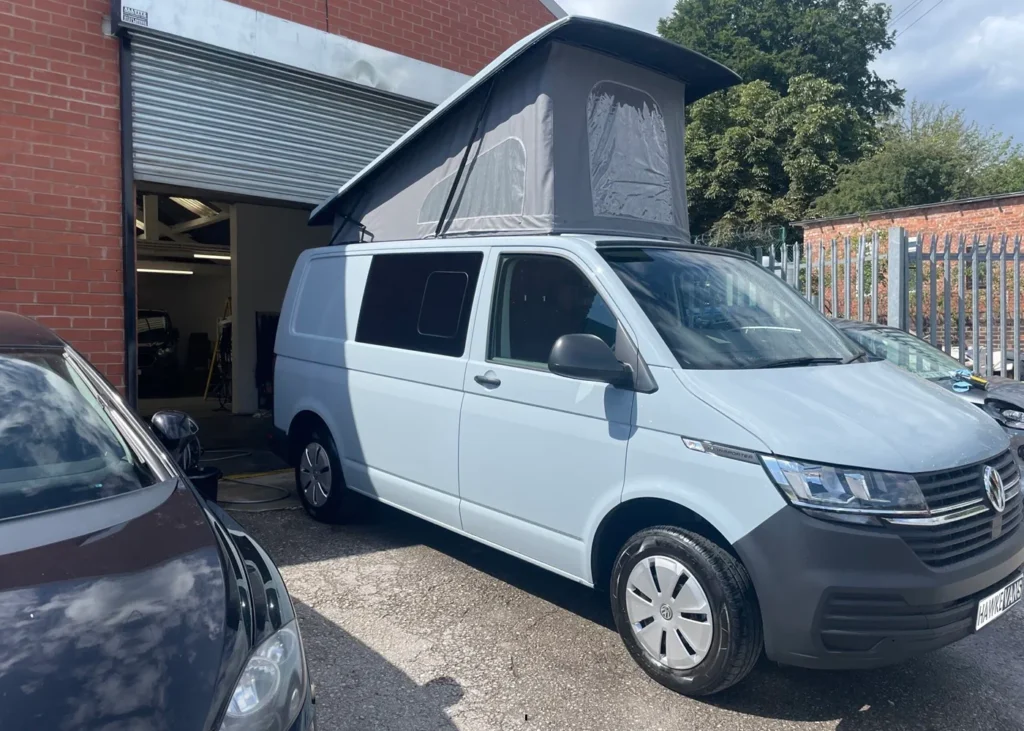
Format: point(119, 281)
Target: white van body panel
point(861, 414)
point(733, 496)
point(538, 452)
point(394, 414)
point(330, 284)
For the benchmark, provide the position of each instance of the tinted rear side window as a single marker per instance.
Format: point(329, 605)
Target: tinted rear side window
point(419, 302)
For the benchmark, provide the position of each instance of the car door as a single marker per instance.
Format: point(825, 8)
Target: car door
point(539, 454)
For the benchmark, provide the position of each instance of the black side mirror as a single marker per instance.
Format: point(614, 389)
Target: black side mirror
point(178, 432)
point(588, 358)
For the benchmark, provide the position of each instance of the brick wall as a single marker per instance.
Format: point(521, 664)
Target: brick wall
point(1003, 215)
point(60, 189)
point(462, 35)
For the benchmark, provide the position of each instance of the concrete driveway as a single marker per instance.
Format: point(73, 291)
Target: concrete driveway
point(412, 628)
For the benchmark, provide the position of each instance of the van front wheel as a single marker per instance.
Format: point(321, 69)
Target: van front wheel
point(318, 479)
point(686, 610)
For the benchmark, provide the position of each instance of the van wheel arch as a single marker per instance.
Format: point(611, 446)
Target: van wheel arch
point(633, 516)
point(300, 430)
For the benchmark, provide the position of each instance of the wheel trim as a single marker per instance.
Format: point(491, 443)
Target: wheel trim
point(669, 613)
point(315, 474)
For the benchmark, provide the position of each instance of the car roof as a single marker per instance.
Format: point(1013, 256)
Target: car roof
point(18, 331)
point(857, 325)
point(475, 243)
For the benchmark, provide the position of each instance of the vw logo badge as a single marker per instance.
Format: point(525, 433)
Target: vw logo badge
point(994, 489)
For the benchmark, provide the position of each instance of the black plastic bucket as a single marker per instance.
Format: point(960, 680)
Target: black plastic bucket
point(205, 480)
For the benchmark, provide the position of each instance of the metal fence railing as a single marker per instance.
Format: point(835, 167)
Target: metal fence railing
point(959, 292)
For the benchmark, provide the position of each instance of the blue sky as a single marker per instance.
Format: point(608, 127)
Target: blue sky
point(966, 53)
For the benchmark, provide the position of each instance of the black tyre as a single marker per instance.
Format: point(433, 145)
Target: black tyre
point(686, 610)
point(319, 480)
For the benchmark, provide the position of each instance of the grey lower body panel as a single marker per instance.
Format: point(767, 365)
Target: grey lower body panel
point(834, 596)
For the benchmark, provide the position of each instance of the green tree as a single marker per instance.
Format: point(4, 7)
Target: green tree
point(926, 155)
point(778, 40)
point(1006, 177)
point(755, 156)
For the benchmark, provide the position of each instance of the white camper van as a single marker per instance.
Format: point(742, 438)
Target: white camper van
point(512, 338)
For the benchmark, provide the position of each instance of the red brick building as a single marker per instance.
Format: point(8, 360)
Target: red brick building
point(162, 155)
point(996, 215)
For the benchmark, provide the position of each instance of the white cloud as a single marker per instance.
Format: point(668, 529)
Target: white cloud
point(989, 50)
point(962, 54)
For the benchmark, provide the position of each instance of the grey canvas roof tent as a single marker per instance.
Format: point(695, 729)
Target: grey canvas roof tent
point(577, 128)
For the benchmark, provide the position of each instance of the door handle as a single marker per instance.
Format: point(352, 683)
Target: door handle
point(488, 380)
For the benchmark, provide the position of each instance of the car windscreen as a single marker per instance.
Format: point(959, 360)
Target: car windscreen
point(906, 351)
point(716, 311)
point(58, 447)
point(154, 326)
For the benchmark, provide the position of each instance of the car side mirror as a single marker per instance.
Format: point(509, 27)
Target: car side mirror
point(588, 358)
point(177, 431)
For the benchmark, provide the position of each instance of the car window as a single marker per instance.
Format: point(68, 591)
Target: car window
point(419, 302)
point(906, 351)
point(58, 448)
point(538, 299)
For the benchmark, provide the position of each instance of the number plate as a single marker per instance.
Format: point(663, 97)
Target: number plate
point(996, 605)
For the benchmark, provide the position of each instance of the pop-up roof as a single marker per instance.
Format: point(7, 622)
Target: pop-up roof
point(577, 128)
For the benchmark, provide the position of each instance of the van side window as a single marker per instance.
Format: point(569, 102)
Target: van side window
point(419, 302)
point(538, 299)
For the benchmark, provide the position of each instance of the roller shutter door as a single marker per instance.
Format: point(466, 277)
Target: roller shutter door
point(218, 121)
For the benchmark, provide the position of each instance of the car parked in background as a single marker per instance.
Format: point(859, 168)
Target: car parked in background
point(1002, 398)
point(158, 354)
point(126, 600)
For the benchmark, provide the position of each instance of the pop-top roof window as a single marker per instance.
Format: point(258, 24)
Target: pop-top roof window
point(629, 167)
point(495, 186)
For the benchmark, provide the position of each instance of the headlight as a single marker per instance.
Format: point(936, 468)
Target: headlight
point(1012, 418)
point(1009, 416)
point(844, 489)
point(272, 688)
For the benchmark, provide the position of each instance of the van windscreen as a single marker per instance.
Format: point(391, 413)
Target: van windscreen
point(722, 312)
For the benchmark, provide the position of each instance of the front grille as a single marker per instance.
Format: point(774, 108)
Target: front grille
point(956, 541)
point(951, 487)
point(857, 622)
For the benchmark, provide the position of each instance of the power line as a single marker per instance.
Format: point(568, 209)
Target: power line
point(905, 11)
point(920, 18)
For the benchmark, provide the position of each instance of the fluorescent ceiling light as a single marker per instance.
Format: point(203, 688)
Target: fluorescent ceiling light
point(164, 271)
point(218, 257)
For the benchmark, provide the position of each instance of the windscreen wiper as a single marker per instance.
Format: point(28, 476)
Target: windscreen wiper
point(797, 362)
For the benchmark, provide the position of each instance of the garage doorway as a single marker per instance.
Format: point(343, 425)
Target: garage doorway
point(184, 266)
point(212, 273)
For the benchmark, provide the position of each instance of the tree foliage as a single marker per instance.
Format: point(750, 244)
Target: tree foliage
point(927, 155)
point(762, 153)
point(755, 156)
point(778, 40)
